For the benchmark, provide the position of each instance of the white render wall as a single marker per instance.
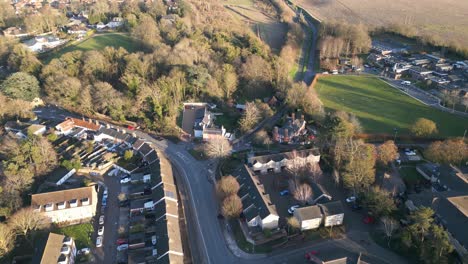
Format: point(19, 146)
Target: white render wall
point(270, 222)
point(334, 220)
point(310, 224)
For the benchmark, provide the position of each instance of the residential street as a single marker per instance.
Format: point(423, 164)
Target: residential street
point(206, 235)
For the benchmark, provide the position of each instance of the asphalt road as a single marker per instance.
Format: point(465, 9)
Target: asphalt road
point(206, 237)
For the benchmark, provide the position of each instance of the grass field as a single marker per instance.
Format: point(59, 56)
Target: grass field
point(97, 42)
point(447, 23)
point(267, 28)
point(380, 107)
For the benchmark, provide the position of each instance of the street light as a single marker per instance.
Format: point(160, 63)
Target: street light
point(396, 131)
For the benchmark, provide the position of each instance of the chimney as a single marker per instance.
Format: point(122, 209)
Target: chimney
point(293, 116)
point(275, 134)
point(286, 135)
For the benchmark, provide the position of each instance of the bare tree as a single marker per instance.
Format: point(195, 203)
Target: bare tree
point(301, 192)
point(7, 239)
point(250, 117)
point(218, 148)
point(26, 220)
point(227, 186)
point(387, 152)
point(390, 225)
point(231, 206)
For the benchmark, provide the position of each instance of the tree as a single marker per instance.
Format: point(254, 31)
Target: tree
point(359, 170)
point(299, 96)
point(7, 239)
point(449, 151)
point(63, 90)
point(122, 197)
point(21, 85)
point(293, 224)
point(26, 220)
point(390, 225)
point(231, 207)
point(387, 152)
point(147, 32)
point(218, 147)
point(21, 59)
point(227, 186)
point(440, 245)
point(128, 154)
point(422, 222)
point(250, 117)
point(379, 202)
point(301, 192)
point(423, 127)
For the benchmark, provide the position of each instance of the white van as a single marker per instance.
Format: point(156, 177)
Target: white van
point(406, 82)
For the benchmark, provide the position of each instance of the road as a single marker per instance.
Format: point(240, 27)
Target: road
point(206, 235)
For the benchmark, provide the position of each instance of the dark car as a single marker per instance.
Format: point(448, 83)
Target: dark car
point(356, 207)
point(124, 203)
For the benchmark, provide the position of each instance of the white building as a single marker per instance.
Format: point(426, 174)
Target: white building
point(277, 162)
point(309, 217)
point(333, 213)
point(115, 23)
point(67, 206)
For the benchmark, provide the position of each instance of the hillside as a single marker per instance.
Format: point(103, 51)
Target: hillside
point(449, 24)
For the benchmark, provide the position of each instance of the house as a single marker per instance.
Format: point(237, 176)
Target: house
point(67, 206)
point(100, 26)
point(277, 162)
point(55, 249)
point(434, 58)
point(198, 122)
point(293, 129)
point(79, 30)
point(333, 213)
point(444, 67)
point(43, 43)
point(419, 73)
point(67, 126)
point(15, 32)
point(145, 149)
point(309, 217)
point(115, 22)
point(258, 210)
point(36, 129)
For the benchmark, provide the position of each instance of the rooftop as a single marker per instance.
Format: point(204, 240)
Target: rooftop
point(285, 155)
point(332, 208)
point(309, 212)
point(42, 199)
point(49, 251)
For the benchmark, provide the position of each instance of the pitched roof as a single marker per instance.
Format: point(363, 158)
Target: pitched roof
point(309, 212)
point(137, 145)
point(64, 195)
point(49, 251)
point(453, 211)
point(85, 124)
point(280, 156)
point(332, 208)
point(145, 149)
point(254, 199)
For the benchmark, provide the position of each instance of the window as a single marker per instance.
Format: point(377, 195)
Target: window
point(49, 207)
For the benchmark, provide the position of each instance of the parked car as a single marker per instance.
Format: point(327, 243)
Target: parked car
point(84, 251)
point(356, 207)
point(310, 254)
point(292, 209)
point(410, 153)
point(100, 231)
point(121, 241)
point(99, 241)
point(124, 203)
point(284, 192)
point(122, 247)
point(104, 201)
point(105, 194)
point(101, 220)
point(125, 180)
point(125, 176)
point(368, 220)
point(153, 240)
point(351, 199)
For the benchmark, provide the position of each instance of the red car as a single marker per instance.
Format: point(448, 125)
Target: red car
point(131, 127)
point(311, 254)
point(122, 241)
point(368, 220)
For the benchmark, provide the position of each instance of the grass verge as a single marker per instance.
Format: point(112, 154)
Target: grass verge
point(80, 233)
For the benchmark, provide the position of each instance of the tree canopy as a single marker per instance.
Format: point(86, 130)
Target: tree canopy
point(21, 85)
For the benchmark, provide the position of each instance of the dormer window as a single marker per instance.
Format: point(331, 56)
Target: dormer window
point(73, 203)
point(37, 208)
point(85, 201)
point(61, 205)
point(49, 207)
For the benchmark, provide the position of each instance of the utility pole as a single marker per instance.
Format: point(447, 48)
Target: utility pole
point(396, 131)
point(464, 134)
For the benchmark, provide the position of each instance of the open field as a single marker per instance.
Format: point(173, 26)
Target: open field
point(97, 42)
point(380, 107)
point(448, 19)
point(269, 29)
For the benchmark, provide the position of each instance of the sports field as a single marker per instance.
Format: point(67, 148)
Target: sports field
point(380, 107)
point(97, 42)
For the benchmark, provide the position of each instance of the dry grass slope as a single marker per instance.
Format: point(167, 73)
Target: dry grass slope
point(447, 19)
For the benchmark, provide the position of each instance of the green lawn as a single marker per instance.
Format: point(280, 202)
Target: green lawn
point(380, 107)
point(80, 233)
point(97, 42)
point(410, 175)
